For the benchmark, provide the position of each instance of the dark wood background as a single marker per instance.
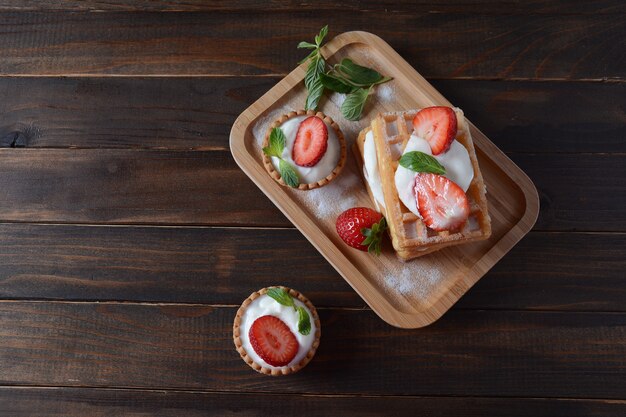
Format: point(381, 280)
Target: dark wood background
point(125, 250)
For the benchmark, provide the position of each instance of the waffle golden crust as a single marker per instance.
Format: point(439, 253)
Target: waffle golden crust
point(267, 161)
point(409, 236)
point(286, 370)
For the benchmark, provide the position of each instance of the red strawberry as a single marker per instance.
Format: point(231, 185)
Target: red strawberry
point(442, 204)
point(437, 125)
point(311, 142)
point(362, 228)
point(272, 340)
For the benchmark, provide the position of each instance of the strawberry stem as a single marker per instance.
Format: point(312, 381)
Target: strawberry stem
point(374, 236)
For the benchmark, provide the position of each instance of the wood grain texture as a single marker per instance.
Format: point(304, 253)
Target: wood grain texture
point(197, 112)
point(61, 402)
point(545, 271)
point(448, 6)
point(565, 193)
point(217, 43)
point(125, 186)
point(466, 353)
point(166, 187)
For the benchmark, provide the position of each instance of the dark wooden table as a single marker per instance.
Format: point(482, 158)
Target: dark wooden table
point(128, 235)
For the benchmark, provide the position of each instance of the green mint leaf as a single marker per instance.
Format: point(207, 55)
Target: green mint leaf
point(354, 103)
point(335, 84)
point(313, 82)
point(307, 45)
point(359, 74)
point(289, 174)
point(320, 37)
point(281, 296)
point(304, 321)
point(313, 71)
point(277, 140)
point(277, 143)
point(421, 162)
point(317, 66)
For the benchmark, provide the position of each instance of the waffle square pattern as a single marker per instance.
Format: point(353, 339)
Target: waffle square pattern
point(410, 237)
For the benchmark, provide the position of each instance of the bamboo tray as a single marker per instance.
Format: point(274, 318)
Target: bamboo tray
point(412, 294)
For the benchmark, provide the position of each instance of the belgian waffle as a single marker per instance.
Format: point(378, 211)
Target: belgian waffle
point(410, 237)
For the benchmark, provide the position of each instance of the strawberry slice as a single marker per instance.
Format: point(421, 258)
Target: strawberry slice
point(272, 340)
point(442, 204)
point(438, 126)
point(311, 142)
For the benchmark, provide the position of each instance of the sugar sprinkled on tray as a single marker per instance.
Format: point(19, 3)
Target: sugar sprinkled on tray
point(330, 201)
point(416, 279)
point(386, 93)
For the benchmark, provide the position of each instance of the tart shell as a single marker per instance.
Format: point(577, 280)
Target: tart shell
point(286, 370)
point(267, 161)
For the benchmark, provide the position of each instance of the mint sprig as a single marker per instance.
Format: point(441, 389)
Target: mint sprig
point(317, 66)
point(421, 162)
point(357, 75)
point(275, 148)
point(346, 77)
point(281, 296)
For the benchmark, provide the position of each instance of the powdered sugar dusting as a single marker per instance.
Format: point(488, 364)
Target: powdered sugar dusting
point(415, 279)
point(337, 99)
point(386, 93)
point(330, 201)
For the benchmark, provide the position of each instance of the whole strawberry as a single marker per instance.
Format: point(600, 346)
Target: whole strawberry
point(362, 228)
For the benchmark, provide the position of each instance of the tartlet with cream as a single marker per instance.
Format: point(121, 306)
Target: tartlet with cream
point(276, 331)
point(304, 150)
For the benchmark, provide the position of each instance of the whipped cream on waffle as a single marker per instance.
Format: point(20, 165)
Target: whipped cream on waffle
point(455, 160)
point(370, 169)
point(265, 305)
point(324, 167)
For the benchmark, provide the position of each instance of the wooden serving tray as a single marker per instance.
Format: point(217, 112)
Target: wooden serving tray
point(411, 294)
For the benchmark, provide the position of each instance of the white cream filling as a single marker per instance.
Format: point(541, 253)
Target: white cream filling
point(456, 161)
point(324, 167)
point(265, 305)
point(370, 169)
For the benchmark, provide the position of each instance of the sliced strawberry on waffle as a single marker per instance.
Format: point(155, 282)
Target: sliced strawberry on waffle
point(272, 340)
point(438, 126)
point(442, 204)
point(311, 142)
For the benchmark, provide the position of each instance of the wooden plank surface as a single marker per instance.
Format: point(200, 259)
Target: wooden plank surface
point(546, 271)
point(129, 186)
point(471, 353)
point(533, 46)
point(165, 187)
point(149, 98)
point(394, 6)
point(198, 112)
point(60, 402)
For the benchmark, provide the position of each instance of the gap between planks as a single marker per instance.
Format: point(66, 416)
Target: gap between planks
point(57, 301)
point(607, 80)
point(250, 227)
point(291, 394)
